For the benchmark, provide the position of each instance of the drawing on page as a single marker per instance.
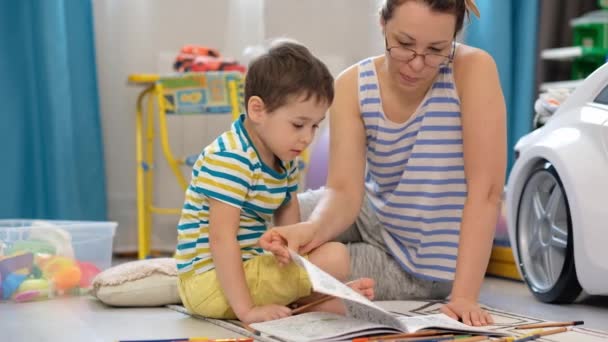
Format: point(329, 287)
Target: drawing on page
point(319, 326)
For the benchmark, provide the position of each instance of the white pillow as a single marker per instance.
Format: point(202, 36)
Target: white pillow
point(150, 282)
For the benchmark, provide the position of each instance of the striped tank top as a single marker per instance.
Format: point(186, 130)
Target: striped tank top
point(415, 175)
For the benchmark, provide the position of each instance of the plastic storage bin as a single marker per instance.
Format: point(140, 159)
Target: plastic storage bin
point(44, 258)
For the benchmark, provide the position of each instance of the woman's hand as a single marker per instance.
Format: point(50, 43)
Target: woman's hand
point(468, 311)
point(273, 242)
point(300, 237)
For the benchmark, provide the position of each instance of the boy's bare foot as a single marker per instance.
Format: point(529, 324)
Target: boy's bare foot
point(364, 286)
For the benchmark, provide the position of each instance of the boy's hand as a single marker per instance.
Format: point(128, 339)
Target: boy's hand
point(265, 313)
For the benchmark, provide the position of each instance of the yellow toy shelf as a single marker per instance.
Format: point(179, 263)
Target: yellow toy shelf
point(178, 94)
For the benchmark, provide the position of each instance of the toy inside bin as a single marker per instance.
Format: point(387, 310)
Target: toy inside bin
point(44, 259)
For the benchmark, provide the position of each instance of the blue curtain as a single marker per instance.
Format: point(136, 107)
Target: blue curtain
point(51, 157)
point(508, 31)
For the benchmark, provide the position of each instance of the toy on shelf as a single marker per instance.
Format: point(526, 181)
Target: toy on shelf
point(193, 58)
point(38, 262)
point(589, 50)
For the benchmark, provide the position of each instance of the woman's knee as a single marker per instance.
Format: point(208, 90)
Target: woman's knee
point(441, 289)
point(333, 258)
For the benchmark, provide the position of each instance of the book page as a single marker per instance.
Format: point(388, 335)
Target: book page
point(440, 321)
point(323, 282)
point(319, 326)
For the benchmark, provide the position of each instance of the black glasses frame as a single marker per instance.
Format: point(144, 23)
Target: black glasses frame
point(450, 58)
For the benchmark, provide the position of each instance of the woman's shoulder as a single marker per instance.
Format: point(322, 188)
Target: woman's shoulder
point(467, 58)
point(470, 63)
point(350, 76)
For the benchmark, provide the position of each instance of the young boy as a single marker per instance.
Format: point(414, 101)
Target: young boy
point(245, 179)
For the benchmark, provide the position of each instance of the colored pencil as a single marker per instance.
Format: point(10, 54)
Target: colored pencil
point(541, 334)
point(247, 327)
point(549, 325)
point(195, 339)
point(471, 339)
point(324, 298)
point(178, 339)
point(304, 307)
point(438, 338)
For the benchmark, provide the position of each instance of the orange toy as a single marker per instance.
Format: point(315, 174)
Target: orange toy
point(64, 272)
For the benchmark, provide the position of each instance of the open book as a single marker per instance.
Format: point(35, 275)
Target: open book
point(322, 326)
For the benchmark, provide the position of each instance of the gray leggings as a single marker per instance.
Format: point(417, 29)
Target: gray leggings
point(370, 257)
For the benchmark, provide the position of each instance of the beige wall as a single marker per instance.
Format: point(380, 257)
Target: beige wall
point(143, 36)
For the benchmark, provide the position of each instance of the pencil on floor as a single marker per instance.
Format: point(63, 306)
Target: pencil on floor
point(549, 325)
point(195, 339)
point(438, 338)
point(541, 334)
point(321, 300)
point(178, 339)
point(304, 307)
point(471, 339)
point(247, 327)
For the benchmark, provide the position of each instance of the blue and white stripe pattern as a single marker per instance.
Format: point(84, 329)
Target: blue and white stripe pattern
point(415, 175)
point(229, 170)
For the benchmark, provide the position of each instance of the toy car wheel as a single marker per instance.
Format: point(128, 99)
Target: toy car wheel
point(544, 238)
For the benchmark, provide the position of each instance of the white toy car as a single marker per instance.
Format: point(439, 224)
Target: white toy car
point(557, 198)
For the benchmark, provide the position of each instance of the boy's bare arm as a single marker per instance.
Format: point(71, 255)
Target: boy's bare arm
point(288, 213)
point(224, 221)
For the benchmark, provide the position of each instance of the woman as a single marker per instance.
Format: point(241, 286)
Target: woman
point(417, 161)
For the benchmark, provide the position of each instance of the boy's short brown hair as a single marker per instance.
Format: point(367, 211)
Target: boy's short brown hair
point(288, 69)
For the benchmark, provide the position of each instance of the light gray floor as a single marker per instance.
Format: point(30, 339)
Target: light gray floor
point(514, 296)
point(84, 319)
point(79, 319)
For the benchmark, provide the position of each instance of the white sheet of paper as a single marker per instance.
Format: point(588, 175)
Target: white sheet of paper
point(319, 326)
point(442, 321)
point(326, 284)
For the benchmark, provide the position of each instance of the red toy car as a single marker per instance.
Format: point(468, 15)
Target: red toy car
point(201, 58)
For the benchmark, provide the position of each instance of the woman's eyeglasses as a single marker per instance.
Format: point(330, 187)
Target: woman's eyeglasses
point(433, 60)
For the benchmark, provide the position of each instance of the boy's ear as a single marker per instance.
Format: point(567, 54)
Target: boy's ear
point(256, 109)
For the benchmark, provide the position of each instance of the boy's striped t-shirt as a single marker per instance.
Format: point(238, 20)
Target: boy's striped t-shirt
point(229, 170)
point(415, 177)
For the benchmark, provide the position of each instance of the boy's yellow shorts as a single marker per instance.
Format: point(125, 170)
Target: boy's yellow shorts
point(268, 284)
